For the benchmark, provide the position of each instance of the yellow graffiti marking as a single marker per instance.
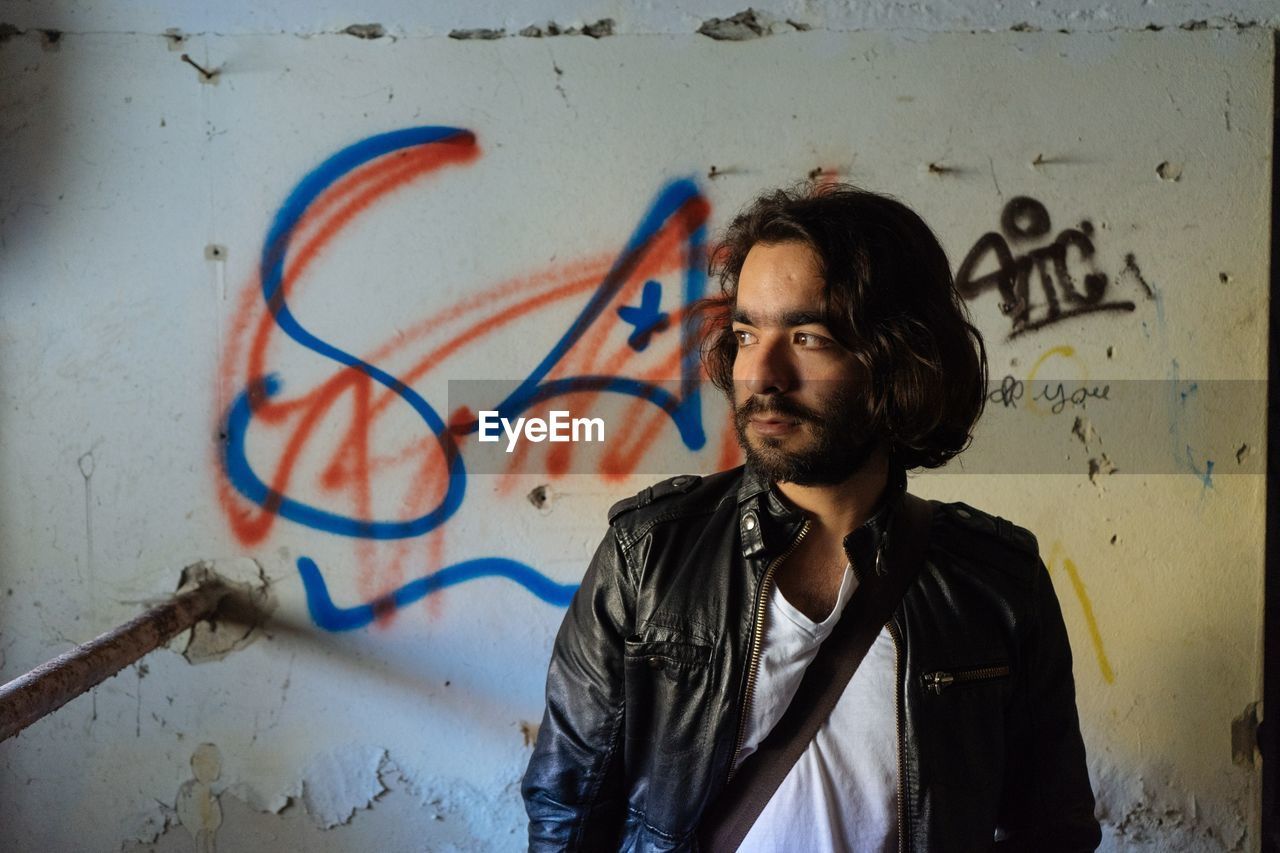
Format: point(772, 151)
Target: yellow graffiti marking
point(1107, 675)
point(1087, 606)
point(1066, 351)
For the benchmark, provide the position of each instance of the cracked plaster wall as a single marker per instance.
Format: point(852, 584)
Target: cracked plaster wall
point(139, 187)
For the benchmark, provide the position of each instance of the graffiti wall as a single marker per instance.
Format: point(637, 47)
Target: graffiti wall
point(260, 292)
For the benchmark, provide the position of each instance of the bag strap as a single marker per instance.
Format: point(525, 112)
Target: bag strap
point(870, 607)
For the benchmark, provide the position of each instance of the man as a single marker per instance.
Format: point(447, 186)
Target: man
point(846, 353)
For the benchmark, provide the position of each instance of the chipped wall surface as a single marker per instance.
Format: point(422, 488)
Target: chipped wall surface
point(416, 209)
point(512, 17)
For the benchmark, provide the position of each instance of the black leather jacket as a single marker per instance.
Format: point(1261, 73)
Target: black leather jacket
point(646, 683)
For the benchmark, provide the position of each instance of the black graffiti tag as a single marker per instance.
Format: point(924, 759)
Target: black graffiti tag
point(1024, 220)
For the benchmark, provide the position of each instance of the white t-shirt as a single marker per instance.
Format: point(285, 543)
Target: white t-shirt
point(842, 793)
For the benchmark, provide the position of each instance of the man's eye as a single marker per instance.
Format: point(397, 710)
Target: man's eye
point(744, 337)
point(811, 341)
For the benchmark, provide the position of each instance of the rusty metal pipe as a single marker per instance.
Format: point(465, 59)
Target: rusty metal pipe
point(49, 686)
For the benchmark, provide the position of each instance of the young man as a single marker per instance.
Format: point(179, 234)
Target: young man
point(846, 353)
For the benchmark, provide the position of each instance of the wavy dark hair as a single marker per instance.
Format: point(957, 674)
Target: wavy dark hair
point(890, 299)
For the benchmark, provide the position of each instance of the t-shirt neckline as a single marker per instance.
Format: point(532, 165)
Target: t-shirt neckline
point(818, 630)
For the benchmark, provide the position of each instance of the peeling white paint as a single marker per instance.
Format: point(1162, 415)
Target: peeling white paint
point(339, 782)
point(437, 814)
point(1154, 813)
point(273, 803)
point(464, 814)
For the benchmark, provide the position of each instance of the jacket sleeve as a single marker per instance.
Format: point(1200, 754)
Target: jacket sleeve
point(573, 786)
point(1053, 809)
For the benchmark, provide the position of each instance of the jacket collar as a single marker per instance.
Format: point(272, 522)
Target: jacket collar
point(757, 496)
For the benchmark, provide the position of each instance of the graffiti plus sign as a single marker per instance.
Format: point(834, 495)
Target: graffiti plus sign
point(646, 317)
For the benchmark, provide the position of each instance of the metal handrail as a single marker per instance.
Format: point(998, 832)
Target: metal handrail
point(49, 686)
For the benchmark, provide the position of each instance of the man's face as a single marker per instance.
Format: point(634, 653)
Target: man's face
point(796, 390)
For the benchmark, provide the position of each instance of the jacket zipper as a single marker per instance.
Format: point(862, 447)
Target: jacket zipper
point(757, 639)
point(939, 681)
point(897, 704)
point(897, 721)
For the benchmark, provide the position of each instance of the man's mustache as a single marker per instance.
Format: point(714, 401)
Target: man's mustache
point(775, 407)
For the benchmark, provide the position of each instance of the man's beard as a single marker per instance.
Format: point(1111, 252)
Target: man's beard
point(839, 447)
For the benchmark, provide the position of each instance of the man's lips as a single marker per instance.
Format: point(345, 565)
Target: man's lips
point(773, 425)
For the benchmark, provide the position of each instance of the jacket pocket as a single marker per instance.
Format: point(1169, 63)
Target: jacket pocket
point(962, 717)
point(668, 688)
point(937, 681)
point(658, 654)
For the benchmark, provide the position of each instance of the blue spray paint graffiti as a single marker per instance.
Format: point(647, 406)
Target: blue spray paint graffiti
point(646, 317)
point(684, 409)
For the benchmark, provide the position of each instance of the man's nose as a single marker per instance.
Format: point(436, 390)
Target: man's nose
point(769, 369)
